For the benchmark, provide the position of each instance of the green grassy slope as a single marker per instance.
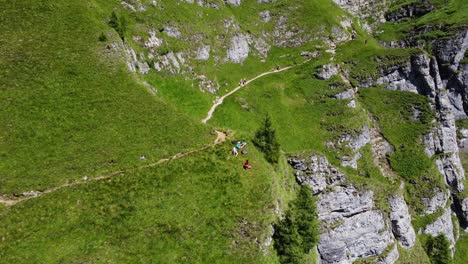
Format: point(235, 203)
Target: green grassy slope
point(70, 110)
point(167, 214)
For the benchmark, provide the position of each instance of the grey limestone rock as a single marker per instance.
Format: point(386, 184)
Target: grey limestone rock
point(401, 221)
point(359, 236)
point(203, 52)
point(355, 143)
point(439, 200)
point(443, 225)
point(316, 172)
point(265, 16)
point(343, 202)
point(239, 48)
point(327, 71)
point(233, 2)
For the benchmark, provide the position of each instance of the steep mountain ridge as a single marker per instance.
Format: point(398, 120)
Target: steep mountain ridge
point(369, 116)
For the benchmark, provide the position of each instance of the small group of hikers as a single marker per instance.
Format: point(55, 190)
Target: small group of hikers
point(242, 82)
point(238, 145)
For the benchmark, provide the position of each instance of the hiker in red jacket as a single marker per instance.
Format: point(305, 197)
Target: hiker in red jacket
point(247, 165)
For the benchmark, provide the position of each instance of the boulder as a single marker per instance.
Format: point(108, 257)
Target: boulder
point(327, 71)
point(239, 48)
point(443, 225)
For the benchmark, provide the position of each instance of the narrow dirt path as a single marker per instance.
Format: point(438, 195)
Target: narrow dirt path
point(10, 201)
point(220, 100)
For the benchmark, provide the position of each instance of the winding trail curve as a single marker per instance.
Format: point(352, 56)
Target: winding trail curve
point(220, 100)
point(10, 201)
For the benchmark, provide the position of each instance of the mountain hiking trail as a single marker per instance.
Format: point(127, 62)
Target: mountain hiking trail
point(220, 100)
point(221, 137)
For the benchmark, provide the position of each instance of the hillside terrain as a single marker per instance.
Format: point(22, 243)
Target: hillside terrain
point(119, 117)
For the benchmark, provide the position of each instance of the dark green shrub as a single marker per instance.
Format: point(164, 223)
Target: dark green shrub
point(102, 37)
point(438, 249)
point(119, 24)
point(297, 233)
point(265, 140)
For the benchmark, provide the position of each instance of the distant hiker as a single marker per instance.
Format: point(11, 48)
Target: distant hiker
point(365, 42)
point(277, 67)
point(247, 165)
point(234, 152)
point(353, 36)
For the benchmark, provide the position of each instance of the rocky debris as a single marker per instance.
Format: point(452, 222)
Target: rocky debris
point(134, 6)
point(401, 221)
point(359, 236)
point(153, 41)
point(374, 9)
point(343, 202)
point(265, 16)
point(205, 84)
point(345, 95)
point(133, 63)
point(439, 200)
point(172, 62)
point(172, 31)
point(411, 10)
point(31, 194)
point(443, 225)
point(203, 52)
point(338, 35)
point(316, 172)
point(265, 1)
point(327, 71)
point(308, 54)
point(381, 148)
point(262, 48)
point(355, 143)
point(239, 48)
point(233, 2)
point(288, 35)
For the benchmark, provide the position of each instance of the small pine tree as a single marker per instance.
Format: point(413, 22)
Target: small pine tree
point(297, 233)
point(306, 218)
point(265, 140)
point(114, 21)
point(438, 249)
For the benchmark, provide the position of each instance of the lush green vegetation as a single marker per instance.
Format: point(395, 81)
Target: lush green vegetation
point(69, 109)
point(437, 249)
point(297, 233)
point(165, 214)
point(265, 140)
point(448, 17)
point(404, 118)
point(461, 249)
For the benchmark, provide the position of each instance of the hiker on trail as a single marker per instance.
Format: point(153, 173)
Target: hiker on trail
point(247, 165)
point(234, 152)
point(277, 67)
point(238, 145)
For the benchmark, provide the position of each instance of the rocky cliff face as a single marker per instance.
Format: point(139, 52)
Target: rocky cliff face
point(351, 227)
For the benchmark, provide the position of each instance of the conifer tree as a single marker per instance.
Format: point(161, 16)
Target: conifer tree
point(265, 140)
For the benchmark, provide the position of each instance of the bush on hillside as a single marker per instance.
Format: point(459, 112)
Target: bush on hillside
point(265, 140)
point(438, 249)
point(119, 24)
point(297, 233)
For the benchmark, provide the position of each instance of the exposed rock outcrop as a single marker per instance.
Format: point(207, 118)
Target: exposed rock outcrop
point(401, 221)
point(434, 203)
point(316, 172)
point(443, 225)
point(359, 236)
point(355, 143)
point(239, 48)
point(327, 71)
point(351, 227)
